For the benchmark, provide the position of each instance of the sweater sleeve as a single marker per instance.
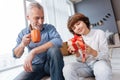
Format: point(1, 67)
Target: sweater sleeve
point(102, 47)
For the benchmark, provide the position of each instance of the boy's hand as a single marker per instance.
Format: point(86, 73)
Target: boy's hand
point(90, 51)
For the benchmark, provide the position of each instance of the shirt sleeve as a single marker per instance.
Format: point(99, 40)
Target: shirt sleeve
point(102, 47)
point(19, 38)
point(54, 36)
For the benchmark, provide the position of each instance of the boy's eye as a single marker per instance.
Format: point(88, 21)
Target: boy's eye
point(78, 23)
point(73, 28)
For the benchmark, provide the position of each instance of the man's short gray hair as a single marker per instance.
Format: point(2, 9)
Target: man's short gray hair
point(32, 5)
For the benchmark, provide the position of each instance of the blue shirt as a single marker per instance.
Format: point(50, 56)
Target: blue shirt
point(48, 33)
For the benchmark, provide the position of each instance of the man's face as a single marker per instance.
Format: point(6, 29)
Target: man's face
point(36, 17)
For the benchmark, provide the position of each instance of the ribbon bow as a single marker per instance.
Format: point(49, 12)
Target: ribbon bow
point(78, 43)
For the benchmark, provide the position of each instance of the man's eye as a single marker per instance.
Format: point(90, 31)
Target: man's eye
point(42, 17)
point(39, 18)
point(36, 18)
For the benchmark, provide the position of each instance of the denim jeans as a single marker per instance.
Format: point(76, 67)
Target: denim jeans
point(52, 67)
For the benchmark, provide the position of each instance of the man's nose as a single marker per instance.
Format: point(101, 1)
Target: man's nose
point(40, 21)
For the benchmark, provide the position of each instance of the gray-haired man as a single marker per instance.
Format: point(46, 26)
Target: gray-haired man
point(44, 58)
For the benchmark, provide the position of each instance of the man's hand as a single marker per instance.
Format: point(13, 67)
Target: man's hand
point(26, 39)
point(18, 51)
point(28, 62)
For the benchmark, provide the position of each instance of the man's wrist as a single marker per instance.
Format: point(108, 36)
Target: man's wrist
point(22, 45)
point(33, 52)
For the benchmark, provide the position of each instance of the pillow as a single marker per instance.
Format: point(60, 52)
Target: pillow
point(113, 39)
point(64, 50)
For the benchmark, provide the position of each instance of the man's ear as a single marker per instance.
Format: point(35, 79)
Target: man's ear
point(27, 17)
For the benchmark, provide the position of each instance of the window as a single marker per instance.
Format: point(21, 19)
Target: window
point(12, 20)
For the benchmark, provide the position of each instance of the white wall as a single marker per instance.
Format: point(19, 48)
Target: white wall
point(118, 23)
point(116, 7)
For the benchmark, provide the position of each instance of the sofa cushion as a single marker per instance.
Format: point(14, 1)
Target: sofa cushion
point(64, 50)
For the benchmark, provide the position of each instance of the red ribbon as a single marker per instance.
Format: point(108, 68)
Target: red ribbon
point(79, 43)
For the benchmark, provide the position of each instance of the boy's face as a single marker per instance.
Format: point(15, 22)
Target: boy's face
point(36, 18)
point(80, 28)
